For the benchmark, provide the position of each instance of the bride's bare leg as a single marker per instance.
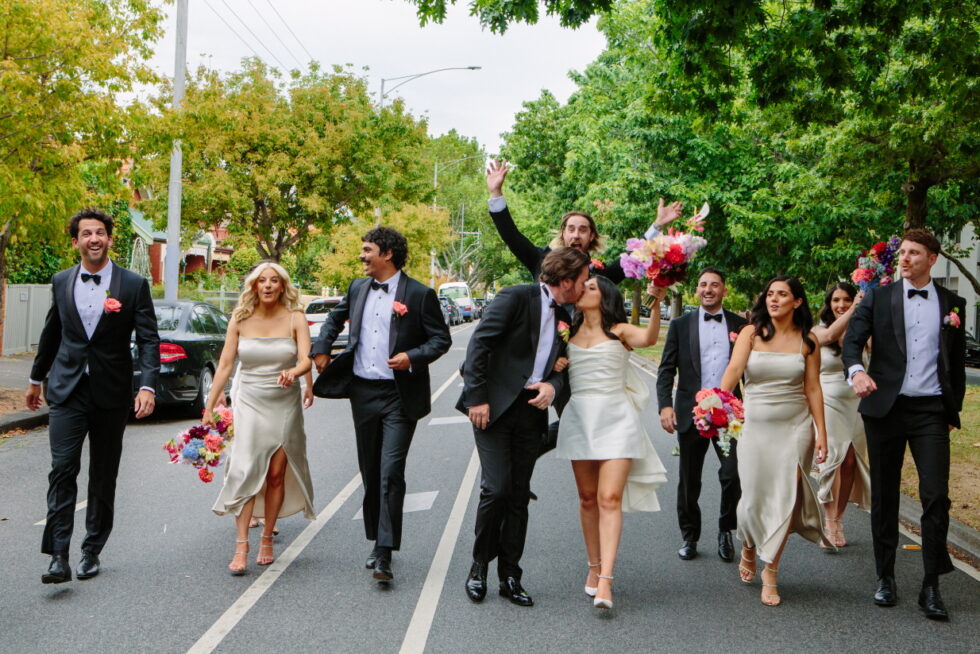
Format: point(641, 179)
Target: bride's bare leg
point(587, 480)
point(274, 492)
point(612, 481)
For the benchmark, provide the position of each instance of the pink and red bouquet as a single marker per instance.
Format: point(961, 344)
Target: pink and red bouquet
point(718, 413)
point(876, 266)
point(664, 259)
point(203, 446)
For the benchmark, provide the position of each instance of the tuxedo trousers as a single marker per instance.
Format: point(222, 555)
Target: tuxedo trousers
point(68, 425)
point(384, 434)
point(508, 450)
point(920, 423)
point(693, 448)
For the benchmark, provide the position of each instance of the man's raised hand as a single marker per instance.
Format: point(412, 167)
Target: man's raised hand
point(496, 172)
point(668, 213)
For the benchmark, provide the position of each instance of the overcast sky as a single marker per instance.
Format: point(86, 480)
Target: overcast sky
point(385, 37)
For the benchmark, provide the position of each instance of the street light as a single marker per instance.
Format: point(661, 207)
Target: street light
point(405, 79)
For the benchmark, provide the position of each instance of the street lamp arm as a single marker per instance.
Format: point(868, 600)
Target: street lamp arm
point(405, 79)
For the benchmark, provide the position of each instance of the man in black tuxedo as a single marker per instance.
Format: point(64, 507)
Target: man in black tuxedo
point(699, 345)
point(509, 381)
point(912, 394)
point(396, 331)
point(84, 355)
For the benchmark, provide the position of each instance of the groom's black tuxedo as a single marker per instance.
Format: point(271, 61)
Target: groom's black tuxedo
point(893, 419)
point(682, 353)
point(96, 402)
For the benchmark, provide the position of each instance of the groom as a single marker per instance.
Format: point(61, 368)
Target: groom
point(699, 345)
point(396, 331)
point(84, 354)
point(912, 393)
point(509, 381)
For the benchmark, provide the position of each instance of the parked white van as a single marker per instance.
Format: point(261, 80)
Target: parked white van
point(459, 292)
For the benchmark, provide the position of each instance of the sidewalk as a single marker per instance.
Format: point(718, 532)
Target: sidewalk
point(15, 369)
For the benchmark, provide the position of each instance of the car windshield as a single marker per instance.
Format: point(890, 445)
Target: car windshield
point(455, 292)
point(168, 317)
point(320, 307)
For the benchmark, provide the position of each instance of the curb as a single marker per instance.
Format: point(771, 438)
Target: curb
point(24, 419)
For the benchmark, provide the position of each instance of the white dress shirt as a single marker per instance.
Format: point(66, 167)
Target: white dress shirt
point(922, 327)
point(371, 356)
point(546, 337)
point(715, 353)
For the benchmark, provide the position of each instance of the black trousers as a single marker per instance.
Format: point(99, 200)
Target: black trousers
point(693, 448)
point(921, 423)
point(384, 434)
point(68, 424)
point(508, 451)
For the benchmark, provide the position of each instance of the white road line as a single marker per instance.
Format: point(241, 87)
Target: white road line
point(450, 420)
point(643, 368)
point(78, 507)
point(223, 626)
point(425, 610)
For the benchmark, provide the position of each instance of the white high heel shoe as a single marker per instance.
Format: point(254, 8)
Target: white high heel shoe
point(601, 603)
point(591, 590)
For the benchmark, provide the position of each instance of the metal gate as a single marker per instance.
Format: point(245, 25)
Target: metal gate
point(25, 308)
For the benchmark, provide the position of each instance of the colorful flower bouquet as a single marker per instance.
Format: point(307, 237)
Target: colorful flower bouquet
point(203, 446)
point(718, 413)
point(875, 266)
point(664, 259)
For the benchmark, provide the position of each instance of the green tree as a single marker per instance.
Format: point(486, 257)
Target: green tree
point(498, 14)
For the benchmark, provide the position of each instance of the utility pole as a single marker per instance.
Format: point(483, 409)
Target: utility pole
point(171, 267)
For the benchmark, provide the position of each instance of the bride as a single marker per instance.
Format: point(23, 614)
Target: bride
point(615, 466)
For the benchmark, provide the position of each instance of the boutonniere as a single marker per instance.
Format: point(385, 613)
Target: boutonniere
point(732, 337)
point(111, 304)
point(596, 264)
point(398, 309)
point(564, 330)
point(953, 318)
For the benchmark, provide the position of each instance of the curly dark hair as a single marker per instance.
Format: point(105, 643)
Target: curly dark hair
point(611, 308)
point(802, 317)
point(93, 213)
point(389, 240)
point(827, 314)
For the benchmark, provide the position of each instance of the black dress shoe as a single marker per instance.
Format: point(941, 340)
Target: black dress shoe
point(58, 571)
point(689, 550)
point(887, 592)
point(382, 570)
point(89, 567)
point(476, 583)
point(726, 550)
point(931, 603)
point(372, 558)
point(512, 590)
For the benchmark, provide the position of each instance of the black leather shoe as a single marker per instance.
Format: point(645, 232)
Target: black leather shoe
point(382, 570)
point(512, 590)
point(931, 603)
point(887, 592)
point(689, 550)
point(372, 558)
point(476, 583)
point(89, 567)
point(58, 571)
point(726, 550)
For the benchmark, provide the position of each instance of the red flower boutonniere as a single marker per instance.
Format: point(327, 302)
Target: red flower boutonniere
point(111, 304)
point(953, 318)
point(596, 264)
point(398, 309)
point(564, 330)
point(732, 337)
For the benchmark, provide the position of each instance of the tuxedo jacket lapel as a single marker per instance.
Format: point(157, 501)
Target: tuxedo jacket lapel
point(115, 286)
point(695, 339)
point(69, 291)
point(358, 308)
point(730, 325)
point(396, 322)
point(944, 309)
point(535, 313)
point(898, 315)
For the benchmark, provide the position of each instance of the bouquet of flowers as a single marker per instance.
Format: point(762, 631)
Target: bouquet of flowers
point(718, 413)
point(664, 259)
point(203, 446)
point(875, 266)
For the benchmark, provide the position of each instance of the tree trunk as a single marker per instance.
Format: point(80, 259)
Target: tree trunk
point(4, 242)
point(916, 189)
point(637, 298)
point(963, 271)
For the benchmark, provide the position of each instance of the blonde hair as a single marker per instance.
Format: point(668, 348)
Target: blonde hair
point(596, 245)
point(249, 299)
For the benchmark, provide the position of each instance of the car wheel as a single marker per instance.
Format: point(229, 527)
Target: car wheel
point(204, 384)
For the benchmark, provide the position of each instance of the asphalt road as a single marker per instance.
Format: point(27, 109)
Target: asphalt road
point(165, 587)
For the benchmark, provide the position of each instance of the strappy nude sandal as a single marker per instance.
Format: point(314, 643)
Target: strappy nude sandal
point(238, 571)
point(837, 534)
point(264, 560)
point(770, 599)
point(590, 590)
point(745, 573)
point(600, 602)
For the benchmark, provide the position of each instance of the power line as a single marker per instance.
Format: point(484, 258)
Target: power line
point(228, 25)
point(275, 34)
point(312, 58)
point(282, 65)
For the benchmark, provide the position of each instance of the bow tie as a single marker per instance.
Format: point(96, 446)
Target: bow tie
point(924, 293)
point(716, 317)
point(376, 285)
point(95, 278)
point(554, 305)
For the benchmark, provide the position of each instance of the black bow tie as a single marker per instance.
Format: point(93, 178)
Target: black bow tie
point(554, 305)
point(376, 285)
point(924, 293)
point(95, 278)
point(716, 317)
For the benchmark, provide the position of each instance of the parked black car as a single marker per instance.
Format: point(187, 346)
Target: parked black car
point(451, 308)
point(972, 351)
point(192, 335)
point(644, 309)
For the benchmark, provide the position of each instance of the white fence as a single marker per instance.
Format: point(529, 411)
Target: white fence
point(26, 306)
